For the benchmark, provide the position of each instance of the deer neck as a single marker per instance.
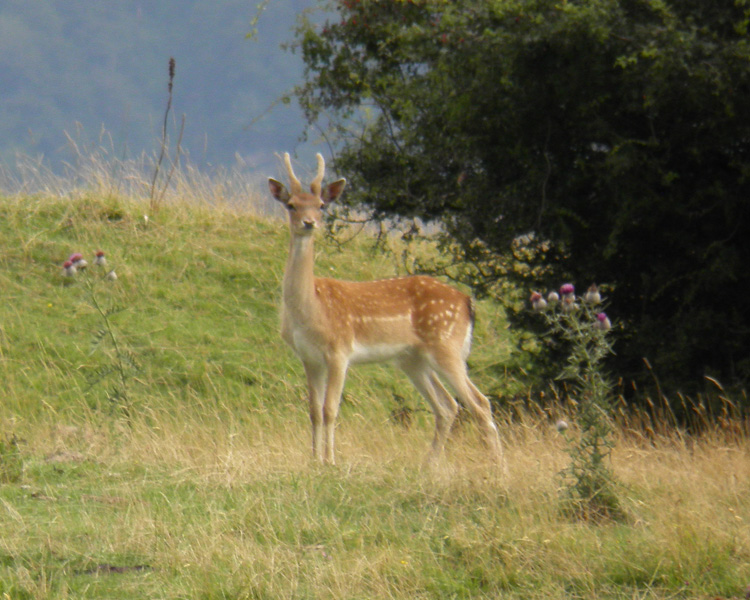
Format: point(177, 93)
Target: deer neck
point(299, 277)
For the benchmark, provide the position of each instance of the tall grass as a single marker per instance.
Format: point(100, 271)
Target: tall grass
point(207, 489)
point(185, 506)
point(97, 167)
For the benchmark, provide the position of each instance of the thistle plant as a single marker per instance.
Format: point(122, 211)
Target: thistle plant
point(589, 488)
point(120, 365)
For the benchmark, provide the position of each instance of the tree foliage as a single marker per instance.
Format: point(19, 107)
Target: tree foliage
point(590, 140)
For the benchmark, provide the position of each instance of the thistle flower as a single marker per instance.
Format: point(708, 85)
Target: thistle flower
point(100, 259)
point(112, 276)
point(602, 322)
point(553, 297)
point(592, 295)
point(537, 301)
point(561, 425)
point(69, 269)
point(567, 290)
point(569, 303)
point(78, 261)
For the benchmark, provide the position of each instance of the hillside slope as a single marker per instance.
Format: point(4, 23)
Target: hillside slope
point(196, 294)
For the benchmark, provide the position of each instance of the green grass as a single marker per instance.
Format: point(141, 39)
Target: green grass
point(206, 488)
point(193, 289)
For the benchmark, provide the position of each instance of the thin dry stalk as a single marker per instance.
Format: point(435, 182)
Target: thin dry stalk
point(156, 198)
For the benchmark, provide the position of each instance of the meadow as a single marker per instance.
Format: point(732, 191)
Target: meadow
point(187, 472)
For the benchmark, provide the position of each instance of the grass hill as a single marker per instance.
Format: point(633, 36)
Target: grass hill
point(197, 293)
point(190, 476)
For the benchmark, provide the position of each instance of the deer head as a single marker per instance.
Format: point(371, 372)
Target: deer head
point(305, 208)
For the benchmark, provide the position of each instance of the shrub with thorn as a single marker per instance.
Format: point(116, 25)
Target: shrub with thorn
point(589, 488)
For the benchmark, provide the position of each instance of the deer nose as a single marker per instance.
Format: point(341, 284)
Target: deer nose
point(308, 223)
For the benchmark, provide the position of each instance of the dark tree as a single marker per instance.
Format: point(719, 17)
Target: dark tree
point(593, 141)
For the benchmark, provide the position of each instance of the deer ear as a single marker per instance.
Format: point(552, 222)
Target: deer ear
point(278, 190)
point(333, 190)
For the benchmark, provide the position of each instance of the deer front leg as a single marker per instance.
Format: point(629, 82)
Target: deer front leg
point(334, 387)
point(316, 385)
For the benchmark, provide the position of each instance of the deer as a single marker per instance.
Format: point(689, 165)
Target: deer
point(423, 325)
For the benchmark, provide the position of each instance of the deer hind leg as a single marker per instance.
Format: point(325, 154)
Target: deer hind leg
point(453, 370)
point(492, 435)
point(443, 405)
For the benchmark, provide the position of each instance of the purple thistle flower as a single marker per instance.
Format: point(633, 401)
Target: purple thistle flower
point(602, 322)
point(567, 289)
point(100, 259)
point(78, 261)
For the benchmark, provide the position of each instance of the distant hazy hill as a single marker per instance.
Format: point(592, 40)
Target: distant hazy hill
point(103, 65)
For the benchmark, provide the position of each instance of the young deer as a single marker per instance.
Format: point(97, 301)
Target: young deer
point(424, 325)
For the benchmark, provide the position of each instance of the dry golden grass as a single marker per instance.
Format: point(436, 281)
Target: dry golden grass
point(209, 507)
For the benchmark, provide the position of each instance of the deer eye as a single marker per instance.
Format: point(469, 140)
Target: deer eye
point(290, 207)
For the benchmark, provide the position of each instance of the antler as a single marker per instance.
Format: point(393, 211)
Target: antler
point(315, 186)
point(296, 185)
